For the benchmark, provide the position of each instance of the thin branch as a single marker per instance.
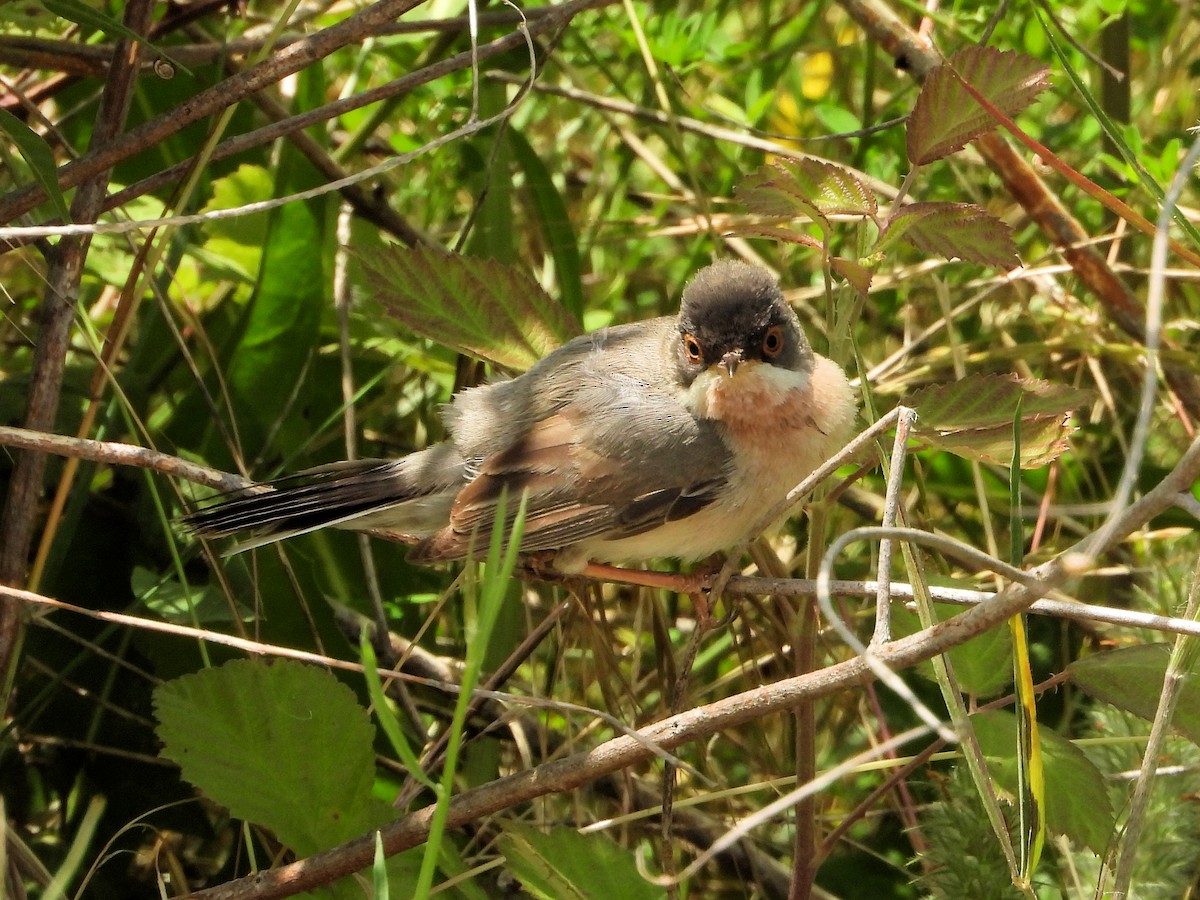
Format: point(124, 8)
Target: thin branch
point(895, 478)
point(1028, 189)
point(696, 724)
point(71, 57)
point(212, 100)
point(50, 355)
point(685, 123)
point(1183, 655)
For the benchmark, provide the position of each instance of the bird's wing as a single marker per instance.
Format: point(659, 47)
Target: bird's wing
point(619, 458)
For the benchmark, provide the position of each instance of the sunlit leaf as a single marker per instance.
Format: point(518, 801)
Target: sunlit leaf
point(474, 305)
point(946, 118)
point(284, 745)
point(805, 187)
point(953, 230)
point(1077, 803)
point(776, 233)
point(982, 666)
point(554, 222)
point(973, 417)
point(280, 331)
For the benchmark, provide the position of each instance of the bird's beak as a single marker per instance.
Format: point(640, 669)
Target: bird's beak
point(731, 360)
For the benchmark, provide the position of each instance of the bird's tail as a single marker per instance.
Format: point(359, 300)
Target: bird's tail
point(411, 496)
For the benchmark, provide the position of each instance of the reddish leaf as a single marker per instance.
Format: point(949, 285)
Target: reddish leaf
point(973, 418)
point(806, 187)
point(478, 306)
point(776, 233)
point(953, 230)
point(858, 275)
point(946, 118)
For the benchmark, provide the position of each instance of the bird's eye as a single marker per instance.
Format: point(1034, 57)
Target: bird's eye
point(692, 349)
point(772, 344)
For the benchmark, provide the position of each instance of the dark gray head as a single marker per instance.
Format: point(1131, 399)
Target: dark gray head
point(733, 312)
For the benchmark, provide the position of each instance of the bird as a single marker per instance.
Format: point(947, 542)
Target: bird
point(664, 438)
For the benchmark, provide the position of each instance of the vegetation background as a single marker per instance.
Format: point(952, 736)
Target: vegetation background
point(140, 762)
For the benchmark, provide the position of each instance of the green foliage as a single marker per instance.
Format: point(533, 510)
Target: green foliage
point(963, 860)
point(283, 745)
point(37, 156)
point(1131, 679)
point(255, 343)
point(1076, 803)
point(563, 863)
point(974, 417)
point(475, 305)
point(981, 665)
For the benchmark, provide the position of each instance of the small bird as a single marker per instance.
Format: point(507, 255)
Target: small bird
point(664, 438)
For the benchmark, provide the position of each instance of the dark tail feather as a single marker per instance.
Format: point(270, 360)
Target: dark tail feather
point(410, 495)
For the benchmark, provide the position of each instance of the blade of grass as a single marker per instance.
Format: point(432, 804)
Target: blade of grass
point(1030, 769)
point(385, 716)
point(489, 592)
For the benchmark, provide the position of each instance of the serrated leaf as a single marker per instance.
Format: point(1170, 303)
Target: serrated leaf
point(477, 306)
point(284, 745)
point(1131, 679)
point(805, 187)
point(776, 233)
point(946, 118)
point(973, 417)
point(953, 230)
point(1077, 803)
point(562, 863)
point(36, 153)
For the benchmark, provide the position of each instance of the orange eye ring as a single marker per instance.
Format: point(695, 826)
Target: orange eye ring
point(773, 342)
point(692, 349)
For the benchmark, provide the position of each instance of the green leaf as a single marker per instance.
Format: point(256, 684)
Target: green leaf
point(808, 188)
point(777, 233)
point(982, 666)
point(953, 230)
point(379, 877)
point(281, 328)
point(234, 246)
point(487, 171)
point(1077, 803)
point(284, 745)
point(37, 155)
point(183, 604)
point(476, 306)
point(554, 222)
point(561, 864)
point(974, 417)
point(1131, 679)
point(387, 719)
point(946, 118)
